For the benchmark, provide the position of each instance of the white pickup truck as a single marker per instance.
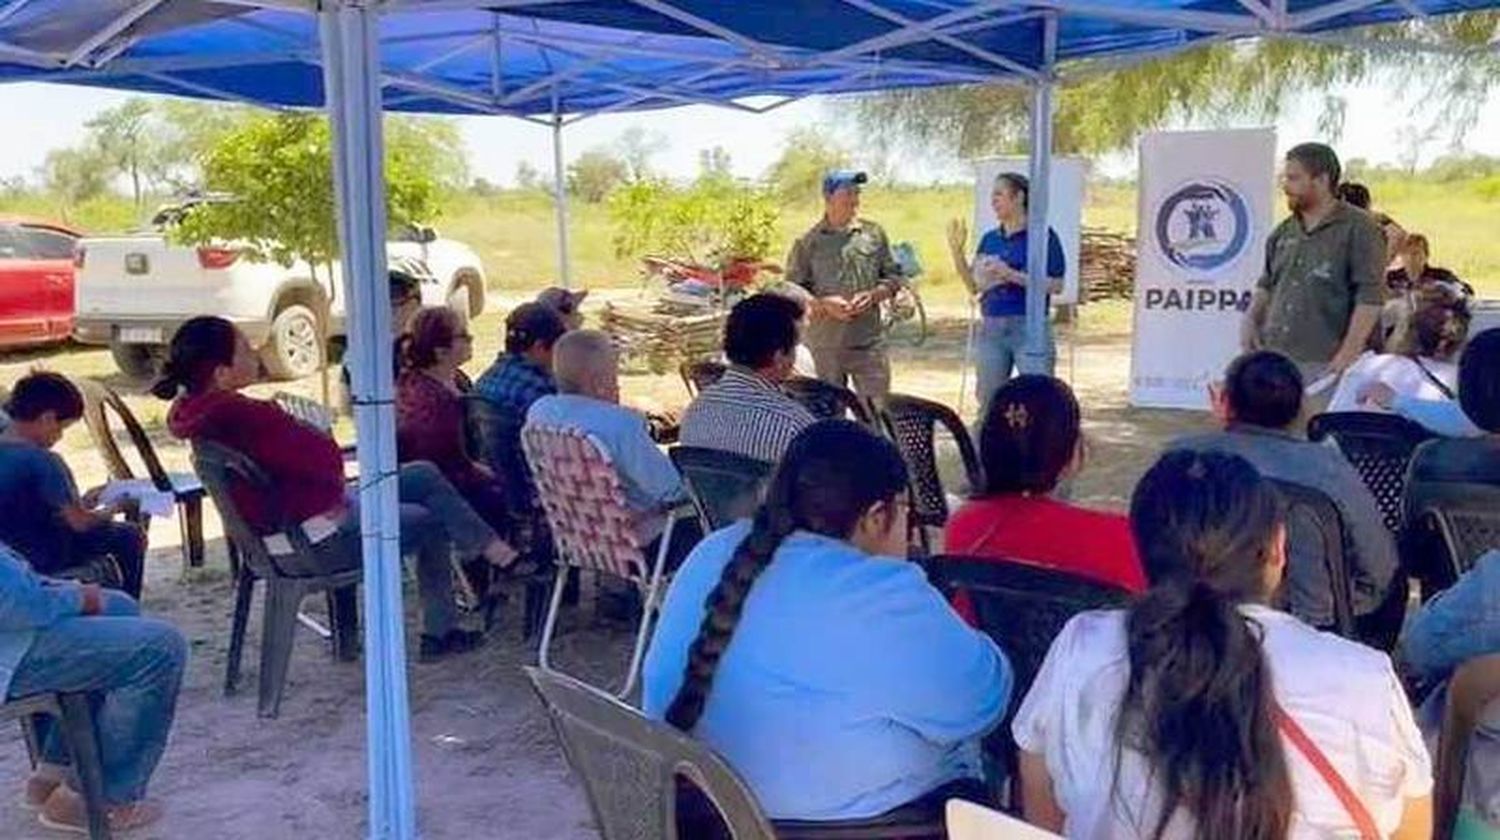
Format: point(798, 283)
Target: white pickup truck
point(134, 290)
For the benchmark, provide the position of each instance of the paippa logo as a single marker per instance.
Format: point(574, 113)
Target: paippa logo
point(1203, 226)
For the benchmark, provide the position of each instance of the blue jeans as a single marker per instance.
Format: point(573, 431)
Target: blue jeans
point(999, 346)
point(132, 666)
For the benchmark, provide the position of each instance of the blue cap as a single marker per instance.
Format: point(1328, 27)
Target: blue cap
point(837, 179)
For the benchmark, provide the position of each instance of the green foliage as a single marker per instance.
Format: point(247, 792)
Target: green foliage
point(806, 156)
point(1107, 111)
point(124, 139)
point(279, 171)
point(435, 143)
point(75, 176)
point(712, 220)
point(595, 173)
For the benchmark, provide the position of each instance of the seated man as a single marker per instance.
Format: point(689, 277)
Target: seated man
point(1459, 624)
point(46, 520)
point(520, 376)
point(586, 366)
point(60, 635)
point(1259, 403)
point(745, 412)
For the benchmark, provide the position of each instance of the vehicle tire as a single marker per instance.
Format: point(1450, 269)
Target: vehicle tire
point(137, 361)
point(296, 347)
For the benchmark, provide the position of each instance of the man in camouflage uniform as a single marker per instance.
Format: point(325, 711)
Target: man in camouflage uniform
point(845, 265)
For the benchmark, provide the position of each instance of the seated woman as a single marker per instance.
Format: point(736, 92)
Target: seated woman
point(208, 364)
point(430, 409)
point(1199, 712)
point(1031, 441)
point(823, 668)
point(1423, 365)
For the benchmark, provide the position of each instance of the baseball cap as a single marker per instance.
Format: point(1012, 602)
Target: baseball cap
point(533, 322)
point(837, 179)
point(561, 300)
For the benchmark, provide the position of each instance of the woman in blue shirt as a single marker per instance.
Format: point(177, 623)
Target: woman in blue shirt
point(997, 276)
point(828, 673)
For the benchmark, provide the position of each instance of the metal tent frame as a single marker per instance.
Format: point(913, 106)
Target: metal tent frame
point(555, 62)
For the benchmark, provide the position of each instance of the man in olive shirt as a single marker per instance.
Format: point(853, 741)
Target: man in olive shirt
point(1322, 289)
point(846, 266)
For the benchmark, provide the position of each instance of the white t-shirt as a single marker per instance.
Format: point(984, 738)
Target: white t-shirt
point(1401, 373)
point(1344, 695)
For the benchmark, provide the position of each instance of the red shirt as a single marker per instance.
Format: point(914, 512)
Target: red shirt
point(1044, 532)
point(304, 465)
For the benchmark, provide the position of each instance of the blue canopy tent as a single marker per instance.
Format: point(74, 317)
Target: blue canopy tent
point(558, 61)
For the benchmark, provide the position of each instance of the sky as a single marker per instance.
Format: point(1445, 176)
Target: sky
point(54, 115)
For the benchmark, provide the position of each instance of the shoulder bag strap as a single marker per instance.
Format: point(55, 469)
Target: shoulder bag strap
point(1346, 796)
point(1436, 382)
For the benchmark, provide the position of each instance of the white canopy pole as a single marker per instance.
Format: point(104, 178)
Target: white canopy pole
point(1040, 195)
point(560, 195)
point(351, 74)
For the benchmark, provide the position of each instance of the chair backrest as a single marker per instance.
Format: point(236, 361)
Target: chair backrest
point(1449, 490)
point(630, 766)
point(581, 492)
point(700, 374)
point(309, 411)
point(1316, 533)
point(912, 423)
point(1380, 447)
point(826, 401)
point(102, 410)
point(725, 486)
point(1021, 607)
point(219, 468)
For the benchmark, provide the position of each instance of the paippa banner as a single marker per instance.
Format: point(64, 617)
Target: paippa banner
point(1204, 212)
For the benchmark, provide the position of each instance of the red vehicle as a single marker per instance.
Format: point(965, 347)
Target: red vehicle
point(36, 282)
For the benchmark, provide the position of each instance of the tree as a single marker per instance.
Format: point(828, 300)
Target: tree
point(636, 147)
point(527, 176)
point(75, 175)
point(127, 144)
point(1249, 80)
point(808, 153)
point(714, 161)
point(595, 173)
point(713, 220)
point(436, 142)
point(279, 170)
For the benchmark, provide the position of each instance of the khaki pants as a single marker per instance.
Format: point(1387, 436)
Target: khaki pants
point(867, 366)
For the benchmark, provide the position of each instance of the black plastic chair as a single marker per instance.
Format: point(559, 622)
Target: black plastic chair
point(1023, 608)
point(1316, 534)
point(1452, 509)
point(700, 374)
point(1380, 447)
point(913, 423)
point(825, 401)
point(73, 713)
point(494, 437)
point(725, 486)
point(99, 404)
point(222, 467)
point(636, 771)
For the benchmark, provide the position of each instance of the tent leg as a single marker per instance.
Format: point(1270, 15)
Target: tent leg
point(560, 196)
point(351, 74)
point(1036, 222)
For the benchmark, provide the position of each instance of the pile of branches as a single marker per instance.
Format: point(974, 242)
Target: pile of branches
point(661, 336)
point(1106, 265)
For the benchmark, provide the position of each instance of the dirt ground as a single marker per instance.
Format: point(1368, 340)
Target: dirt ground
point(486, 761)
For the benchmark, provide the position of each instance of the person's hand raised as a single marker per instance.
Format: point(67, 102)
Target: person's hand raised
point(958, 235)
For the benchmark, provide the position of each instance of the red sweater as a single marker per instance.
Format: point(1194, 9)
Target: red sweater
point(1044, 532)
point(303, 464)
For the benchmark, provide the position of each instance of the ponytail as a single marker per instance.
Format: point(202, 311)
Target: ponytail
point(1198, 704)
point(830, 477)
point(200, 347)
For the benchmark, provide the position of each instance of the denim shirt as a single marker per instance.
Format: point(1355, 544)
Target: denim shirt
point(1458, 624)
point(28, 603)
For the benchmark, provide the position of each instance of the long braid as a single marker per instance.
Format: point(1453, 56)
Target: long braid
point(725, 604)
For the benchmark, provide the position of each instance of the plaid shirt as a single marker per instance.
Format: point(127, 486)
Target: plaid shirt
point(744, 414)
point(514, 382)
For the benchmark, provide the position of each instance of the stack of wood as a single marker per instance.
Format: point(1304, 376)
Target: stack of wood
point(1107, 264)
point(661, 335)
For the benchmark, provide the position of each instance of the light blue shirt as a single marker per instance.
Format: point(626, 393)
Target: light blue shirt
point(651, 482)
point(28, 603)
point(1443, 417)
point(850, 686)
point(1458, 624)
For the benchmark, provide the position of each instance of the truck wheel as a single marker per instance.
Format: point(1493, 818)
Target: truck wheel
point(137, 361)
point(296, 347)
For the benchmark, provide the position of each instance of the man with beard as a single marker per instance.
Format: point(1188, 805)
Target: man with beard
point(1321, 292)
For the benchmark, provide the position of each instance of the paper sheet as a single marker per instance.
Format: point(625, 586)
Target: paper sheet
point(1321, 385)
point(153, 502)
